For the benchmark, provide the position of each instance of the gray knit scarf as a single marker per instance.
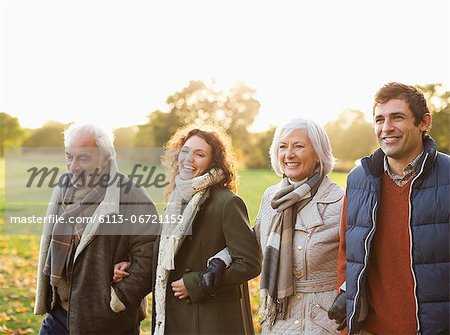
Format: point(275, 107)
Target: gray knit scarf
point(277, 283)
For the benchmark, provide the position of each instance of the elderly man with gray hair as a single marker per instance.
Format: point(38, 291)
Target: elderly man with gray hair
point(77, 256)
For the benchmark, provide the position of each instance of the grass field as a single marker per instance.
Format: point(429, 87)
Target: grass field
point(19, 255)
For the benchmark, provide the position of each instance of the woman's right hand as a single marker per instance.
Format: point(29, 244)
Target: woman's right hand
point(119, 271)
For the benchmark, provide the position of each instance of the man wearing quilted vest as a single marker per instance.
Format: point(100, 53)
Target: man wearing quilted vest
point(394, 258)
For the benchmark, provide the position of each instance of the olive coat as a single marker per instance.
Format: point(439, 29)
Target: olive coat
point(221, 221)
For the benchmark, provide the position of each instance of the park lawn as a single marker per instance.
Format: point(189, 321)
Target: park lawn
point(19, 257)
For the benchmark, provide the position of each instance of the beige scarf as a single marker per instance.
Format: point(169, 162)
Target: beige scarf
point(277, 284)
point(172, 236)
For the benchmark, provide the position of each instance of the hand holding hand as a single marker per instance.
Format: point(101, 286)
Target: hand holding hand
point(179, 289)
point(119, 271)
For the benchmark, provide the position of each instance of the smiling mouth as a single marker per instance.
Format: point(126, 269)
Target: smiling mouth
point(390, 139)
point(291, 164)
point(188, 168)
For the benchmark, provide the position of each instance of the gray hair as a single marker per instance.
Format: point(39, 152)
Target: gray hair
point(317, 136)
point(103, 138)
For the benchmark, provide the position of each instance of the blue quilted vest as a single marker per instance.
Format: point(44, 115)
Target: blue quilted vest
point(429, 224)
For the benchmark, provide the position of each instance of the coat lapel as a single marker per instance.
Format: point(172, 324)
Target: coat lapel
point(202, 200)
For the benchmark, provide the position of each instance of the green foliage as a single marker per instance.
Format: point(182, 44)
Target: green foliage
point(351, 136)
point(50, 135)
point(197, 103)
point(157, 131)
point(125, 137)
point(10, 132)
point(439, 104)
point(256, 151)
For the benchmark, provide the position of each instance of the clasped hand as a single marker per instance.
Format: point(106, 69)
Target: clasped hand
point(178, 287)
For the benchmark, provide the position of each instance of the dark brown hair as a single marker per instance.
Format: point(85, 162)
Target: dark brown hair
point(222, 153)
point(411, 95)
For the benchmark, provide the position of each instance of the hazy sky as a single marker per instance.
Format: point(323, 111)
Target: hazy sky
point(113, 63)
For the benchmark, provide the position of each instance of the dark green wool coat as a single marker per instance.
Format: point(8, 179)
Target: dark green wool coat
point(222, 221)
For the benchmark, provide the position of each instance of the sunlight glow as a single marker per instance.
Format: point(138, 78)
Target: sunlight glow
point(309, 59)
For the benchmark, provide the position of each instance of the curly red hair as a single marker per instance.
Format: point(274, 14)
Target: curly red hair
point(222, 151)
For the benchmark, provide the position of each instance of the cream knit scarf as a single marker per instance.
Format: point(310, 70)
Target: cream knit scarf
point(172, 236)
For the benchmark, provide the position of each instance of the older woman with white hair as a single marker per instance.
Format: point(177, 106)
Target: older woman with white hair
point(298, 229)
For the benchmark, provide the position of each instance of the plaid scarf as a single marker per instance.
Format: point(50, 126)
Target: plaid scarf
point(67, 235)
point(277, 283)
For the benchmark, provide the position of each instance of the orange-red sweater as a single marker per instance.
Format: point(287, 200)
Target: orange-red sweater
point(390, 287)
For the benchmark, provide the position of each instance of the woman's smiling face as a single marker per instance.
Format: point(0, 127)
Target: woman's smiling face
point(296, 155)
point(195, 158)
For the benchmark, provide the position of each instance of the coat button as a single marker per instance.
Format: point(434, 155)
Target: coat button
point(296, 322)
point(298, 297)
point(299, 247)
point(298, 274)
point(189, 301)
point(187, 270)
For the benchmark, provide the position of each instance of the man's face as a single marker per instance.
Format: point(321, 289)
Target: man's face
point(83, 157)
point(399, 137)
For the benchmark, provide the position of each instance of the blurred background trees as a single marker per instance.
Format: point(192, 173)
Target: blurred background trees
point(235, 109)
point(10, 132)
point(439, 104)
point(49, 135)
point(351, 137)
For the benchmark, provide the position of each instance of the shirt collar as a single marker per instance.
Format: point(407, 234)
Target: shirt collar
point(409, 171)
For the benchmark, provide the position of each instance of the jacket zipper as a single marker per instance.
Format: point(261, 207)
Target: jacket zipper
point(411, 244)
point(363, 269)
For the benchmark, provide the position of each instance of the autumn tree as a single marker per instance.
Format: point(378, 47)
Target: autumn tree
point(124, 137)
point(10, 132)
point(438, 101)
point(197, 103)
point(257, 150)
point(50, 135)
point(351, 136)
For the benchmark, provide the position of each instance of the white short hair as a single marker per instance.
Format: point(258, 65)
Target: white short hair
point(103, 138)
point(317, 136)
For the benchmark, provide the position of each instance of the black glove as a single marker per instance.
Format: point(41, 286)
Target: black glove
point(212, 277)
point(337, 311)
